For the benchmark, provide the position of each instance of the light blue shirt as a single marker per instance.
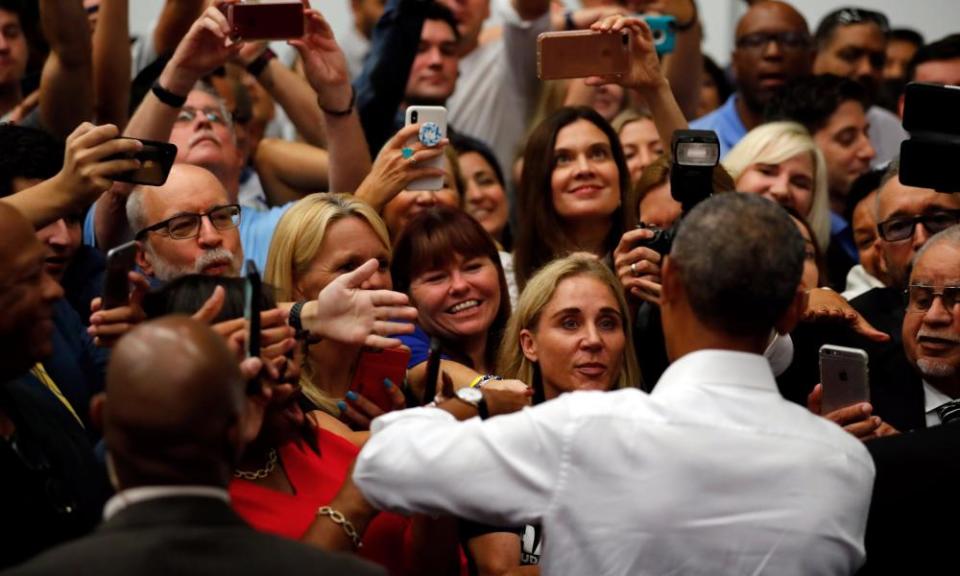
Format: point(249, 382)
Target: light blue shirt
point(725, 122)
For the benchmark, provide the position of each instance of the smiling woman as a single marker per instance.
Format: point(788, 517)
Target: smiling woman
point(571, 191)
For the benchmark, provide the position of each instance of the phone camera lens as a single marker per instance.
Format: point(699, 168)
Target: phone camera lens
point(623, 38)
point(413, 117)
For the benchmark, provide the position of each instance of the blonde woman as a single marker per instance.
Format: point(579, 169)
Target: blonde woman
point(321, 237)
point(780, 161)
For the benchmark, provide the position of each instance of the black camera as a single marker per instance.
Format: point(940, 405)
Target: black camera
point(695, 155)
point(929, 115)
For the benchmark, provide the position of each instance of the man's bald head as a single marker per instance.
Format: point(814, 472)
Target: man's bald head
point(175, 398)
point(27, 293)
point(773, 48)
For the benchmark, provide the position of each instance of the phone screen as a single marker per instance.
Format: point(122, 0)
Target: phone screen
point(116, 286)
point(156, 159)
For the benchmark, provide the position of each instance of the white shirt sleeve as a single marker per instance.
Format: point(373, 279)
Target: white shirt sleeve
point(422, 460)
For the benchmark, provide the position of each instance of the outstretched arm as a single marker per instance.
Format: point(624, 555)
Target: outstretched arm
point(66, 85)
point(111, 63)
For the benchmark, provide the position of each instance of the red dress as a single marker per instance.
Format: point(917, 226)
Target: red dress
point(316, 479)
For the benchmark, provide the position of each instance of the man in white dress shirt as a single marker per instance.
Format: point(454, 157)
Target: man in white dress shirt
point(712, 473)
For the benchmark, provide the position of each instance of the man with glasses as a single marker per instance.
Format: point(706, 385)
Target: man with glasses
point(186, 226)
point(852, 42)
point(773, 48)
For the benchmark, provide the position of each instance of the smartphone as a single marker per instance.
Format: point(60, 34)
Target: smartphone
point(376, 365)
point(116, 284)
point(156, 159)
point(934, 137)
point(433, 371)
point(265, 20)
point(582, 53)
point(844, 377)
point(252, 291)
point(661, 27)
point(422, 115)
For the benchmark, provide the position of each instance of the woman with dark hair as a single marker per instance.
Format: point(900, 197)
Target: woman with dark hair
point(449, 267)
point(485, 195)
point(571, 190)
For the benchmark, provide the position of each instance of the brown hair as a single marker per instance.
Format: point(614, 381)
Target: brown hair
point(432, 240)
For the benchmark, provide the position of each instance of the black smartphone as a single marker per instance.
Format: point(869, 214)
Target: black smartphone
point(265, 21)
point(116, 284)
point(931, 108)
point(433, 372)
point(156, 159)
point(251, 308)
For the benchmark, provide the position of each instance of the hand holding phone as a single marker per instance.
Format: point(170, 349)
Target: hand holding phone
point(433, 129)
point(156, 159)
point(116, 286)
point(433, 371)
point(374, 368)
point(281, 20)
point(843, 376)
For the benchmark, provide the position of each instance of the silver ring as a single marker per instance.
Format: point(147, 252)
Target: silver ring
point(633, 269)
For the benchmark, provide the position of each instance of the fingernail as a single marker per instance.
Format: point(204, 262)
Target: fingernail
point(342, 405)
point(351, 395)
point(388, 383)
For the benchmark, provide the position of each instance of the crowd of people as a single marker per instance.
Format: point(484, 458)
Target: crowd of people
point(551, 361)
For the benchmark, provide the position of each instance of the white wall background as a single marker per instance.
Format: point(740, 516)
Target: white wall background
point(933, 18)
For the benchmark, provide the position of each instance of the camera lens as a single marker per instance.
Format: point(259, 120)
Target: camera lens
point(413, 117)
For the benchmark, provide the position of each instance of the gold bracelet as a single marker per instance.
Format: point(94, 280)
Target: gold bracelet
point(339, 519)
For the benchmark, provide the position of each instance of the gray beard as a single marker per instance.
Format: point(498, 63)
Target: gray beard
point(935, 368)
point(163, 270)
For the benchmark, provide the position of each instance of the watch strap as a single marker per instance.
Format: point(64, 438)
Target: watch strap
point(294, 318)
point(167, 97)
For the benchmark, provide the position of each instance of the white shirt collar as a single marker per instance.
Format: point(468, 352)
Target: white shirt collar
point(725, 367)
point(131, 496)
point(933, 399)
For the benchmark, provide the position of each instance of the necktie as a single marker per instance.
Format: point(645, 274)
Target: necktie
point(949, 412)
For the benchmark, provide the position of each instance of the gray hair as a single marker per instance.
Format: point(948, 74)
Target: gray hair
point(135, 216)
point(951, 236)
point(740, 259)
point(892, 173)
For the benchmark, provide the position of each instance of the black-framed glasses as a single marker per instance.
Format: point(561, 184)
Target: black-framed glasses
point(792, 41)
point(213, 115)
point(849, 16)
point(920, 297)
point(901, 228)
point(186, 226)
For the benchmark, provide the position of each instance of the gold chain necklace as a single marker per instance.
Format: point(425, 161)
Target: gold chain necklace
point(260, 473)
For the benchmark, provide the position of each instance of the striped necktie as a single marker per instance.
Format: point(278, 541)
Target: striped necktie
point(949, 412)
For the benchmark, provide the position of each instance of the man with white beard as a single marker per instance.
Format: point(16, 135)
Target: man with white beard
point(186, 226)
point(931, 326)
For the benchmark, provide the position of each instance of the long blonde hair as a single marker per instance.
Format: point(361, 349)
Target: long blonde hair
point(297, 240)
point(512, 363)
point(776, 142)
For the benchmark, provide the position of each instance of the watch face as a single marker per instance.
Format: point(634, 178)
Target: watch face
point(471, 395)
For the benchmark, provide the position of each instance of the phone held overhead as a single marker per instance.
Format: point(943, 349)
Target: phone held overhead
point(265, 20)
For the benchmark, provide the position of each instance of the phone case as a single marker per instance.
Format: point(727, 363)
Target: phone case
point(251, 309)
point(116, 286)
point(266, 20)
point(844, 377)
point(156, 158)
point(582, 53)
point(438, 116)
point(376, 365)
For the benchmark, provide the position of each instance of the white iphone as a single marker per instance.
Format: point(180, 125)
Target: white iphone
point(843, 375)
point(433, 127)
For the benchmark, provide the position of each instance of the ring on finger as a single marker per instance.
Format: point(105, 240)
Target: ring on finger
point(633, 269)
point(407, 153)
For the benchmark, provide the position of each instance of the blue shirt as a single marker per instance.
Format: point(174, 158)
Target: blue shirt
point(419, 345)
point(256, 231)
point(726, 122)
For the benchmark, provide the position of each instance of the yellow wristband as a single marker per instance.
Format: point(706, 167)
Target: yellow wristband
point(477, 381)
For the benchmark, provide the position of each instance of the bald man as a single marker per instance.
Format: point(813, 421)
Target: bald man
point(773, 47)
point(51, 487)
point(175, 431)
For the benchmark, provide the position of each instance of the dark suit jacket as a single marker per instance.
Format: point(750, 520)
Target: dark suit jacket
point(188, 535)
point(911, 528)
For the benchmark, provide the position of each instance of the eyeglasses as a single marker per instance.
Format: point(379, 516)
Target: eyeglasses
point(850, 16)
point(213, 115)
point(792, 41)
point(901, 228)
point(920, 298)
point(186, 226)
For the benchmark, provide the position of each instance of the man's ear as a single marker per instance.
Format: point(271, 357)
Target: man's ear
point(529, 345)
point(141, 259)
point(793, 314)
point(670, 285)
point(97, 405)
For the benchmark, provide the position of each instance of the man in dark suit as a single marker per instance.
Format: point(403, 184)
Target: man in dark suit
point(907, 217)
point(175, 420)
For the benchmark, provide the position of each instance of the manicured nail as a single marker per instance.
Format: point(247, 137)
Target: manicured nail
point(388, 383)
point(342, 405)
point(351, 395)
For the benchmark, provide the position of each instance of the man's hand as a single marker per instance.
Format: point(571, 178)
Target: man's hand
point(276, 338)
point(345, 312)
point(506, 396)
point(323, 61)
point(638, 267)
point(206, 47)
point(645, 73)
point(87, 166)
point(828, 306)
point(392, 172)
point(107, 326)
point(856, 419)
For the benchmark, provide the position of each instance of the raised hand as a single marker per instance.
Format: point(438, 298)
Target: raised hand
point(645, 73)
point(88, 161)
point(107, 326)
point(205, 47)
point(393, 169)
point(323, 61)
point(638, 267)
